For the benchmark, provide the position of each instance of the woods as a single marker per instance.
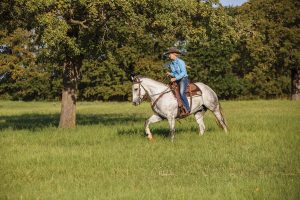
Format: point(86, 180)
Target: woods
point(91, 47)
point(87, 49)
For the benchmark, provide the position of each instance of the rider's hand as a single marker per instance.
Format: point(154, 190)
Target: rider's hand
point(173, 79)
point(168, 74)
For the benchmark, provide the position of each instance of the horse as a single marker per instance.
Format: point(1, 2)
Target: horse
point(165, 105)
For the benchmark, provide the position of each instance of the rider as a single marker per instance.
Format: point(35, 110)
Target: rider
point(178, 73)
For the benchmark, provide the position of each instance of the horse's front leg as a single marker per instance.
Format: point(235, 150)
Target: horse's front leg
point(153, 119)
point(171, 121)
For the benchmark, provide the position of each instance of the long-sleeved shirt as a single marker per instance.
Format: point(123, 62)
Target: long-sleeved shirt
point(178, 69)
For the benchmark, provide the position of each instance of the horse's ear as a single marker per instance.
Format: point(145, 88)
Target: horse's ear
point(131, 78)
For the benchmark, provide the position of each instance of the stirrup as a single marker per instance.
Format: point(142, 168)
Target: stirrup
point(184, 114)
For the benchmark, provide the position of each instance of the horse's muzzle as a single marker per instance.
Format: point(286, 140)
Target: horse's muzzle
point(136, 101)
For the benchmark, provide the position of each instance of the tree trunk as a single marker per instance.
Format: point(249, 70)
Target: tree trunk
point(68, 101)
point(68, 108)
point(295, 75)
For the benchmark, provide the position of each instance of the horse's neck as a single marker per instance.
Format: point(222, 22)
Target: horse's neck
point(154, 87)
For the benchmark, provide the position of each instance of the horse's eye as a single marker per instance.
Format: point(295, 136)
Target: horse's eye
point(135, 89)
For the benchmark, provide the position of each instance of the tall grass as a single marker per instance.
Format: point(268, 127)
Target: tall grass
point(108, 157)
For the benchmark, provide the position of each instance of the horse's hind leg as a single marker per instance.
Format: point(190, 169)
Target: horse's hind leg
point(220, 119)
point(199, 118)
point(154, 118)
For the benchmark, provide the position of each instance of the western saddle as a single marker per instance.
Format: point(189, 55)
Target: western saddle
point(191, 90)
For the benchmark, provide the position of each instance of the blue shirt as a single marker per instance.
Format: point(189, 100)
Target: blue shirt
point(178, 69)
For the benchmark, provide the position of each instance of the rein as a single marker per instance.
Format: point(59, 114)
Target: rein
point(164, 92)
point(161, 94)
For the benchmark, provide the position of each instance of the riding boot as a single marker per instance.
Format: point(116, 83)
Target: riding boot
point(183, 111)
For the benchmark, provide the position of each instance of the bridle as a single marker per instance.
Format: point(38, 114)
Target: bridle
point(136, 80)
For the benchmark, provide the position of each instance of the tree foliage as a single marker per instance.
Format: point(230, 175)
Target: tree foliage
point(269, 45)
point(250, 51)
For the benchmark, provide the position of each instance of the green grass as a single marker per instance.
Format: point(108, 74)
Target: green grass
point(108, 157)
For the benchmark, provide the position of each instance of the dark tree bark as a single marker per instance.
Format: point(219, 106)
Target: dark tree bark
point(295, 75)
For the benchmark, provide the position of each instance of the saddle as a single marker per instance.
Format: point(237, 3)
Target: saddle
point(191, 90)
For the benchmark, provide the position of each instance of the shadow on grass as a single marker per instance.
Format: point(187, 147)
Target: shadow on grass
point(35, 122)
point(141, 131)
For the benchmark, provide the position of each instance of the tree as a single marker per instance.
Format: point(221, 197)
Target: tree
point(21, 77)
point(270, 44)
point(68, 33)
point(211, 46)
point(64, 33)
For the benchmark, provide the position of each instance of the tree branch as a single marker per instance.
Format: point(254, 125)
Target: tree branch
point(77, 22)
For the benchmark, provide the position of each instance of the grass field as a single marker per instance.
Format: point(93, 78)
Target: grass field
point(108, 157)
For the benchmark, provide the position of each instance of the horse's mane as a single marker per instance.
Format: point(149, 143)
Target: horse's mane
point(158, 82)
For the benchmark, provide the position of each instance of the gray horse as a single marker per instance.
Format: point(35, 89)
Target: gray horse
point(165, 106)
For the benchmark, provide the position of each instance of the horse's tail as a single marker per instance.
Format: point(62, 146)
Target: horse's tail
point(220, 119)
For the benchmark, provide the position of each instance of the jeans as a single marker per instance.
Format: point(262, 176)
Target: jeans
point(183, 83)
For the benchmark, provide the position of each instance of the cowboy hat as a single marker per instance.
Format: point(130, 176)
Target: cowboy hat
point(172, 50)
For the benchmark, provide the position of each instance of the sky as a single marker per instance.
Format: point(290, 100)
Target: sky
point(232, 2)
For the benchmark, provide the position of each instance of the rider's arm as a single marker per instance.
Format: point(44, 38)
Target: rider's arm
point(180, 69)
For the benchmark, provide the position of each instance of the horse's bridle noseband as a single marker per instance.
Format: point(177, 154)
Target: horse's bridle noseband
point(136, 80)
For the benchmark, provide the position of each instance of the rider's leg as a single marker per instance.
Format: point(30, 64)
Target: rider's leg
point(183, 83)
